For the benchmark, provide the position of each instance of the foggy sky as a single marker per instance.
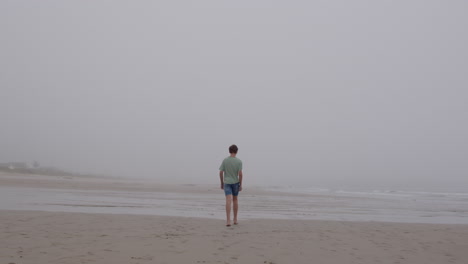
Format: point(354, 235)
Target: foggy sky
point(312, 92)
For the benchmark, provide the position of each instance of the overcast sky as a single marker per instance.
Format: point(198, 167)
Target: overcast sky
point(312, 92)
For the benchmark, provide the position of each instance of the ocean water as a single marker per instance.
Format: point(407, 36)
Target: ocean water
point(278, 203)
point(392, 205)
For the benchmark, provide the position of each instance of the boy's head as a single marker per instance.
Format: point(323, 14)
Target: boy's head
point(233, 149)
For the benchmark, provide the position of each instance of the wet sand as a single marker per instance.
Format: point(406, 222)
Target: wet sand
point(146, 197)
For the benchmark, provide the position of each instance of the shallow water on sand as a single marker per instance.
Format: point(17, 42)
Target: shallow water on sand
point(309, 204)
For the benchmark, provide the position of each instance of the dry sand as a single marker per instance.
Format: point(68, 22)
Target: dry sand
point(34, 237)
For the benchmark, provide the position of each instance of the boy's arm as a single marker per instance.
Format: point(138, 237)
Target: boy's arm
point(221, 174)
point(240, 180)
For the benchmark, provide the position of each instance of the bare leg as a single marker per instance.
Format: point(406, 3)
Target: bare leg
point(228, 209)
point(236, 207)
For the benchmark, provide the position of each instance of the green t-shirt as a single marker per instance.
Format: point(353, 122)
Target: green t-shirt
point(231, 167)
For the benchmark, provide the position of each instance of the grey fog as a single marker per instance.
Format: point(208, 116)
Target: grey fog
point(316, 93)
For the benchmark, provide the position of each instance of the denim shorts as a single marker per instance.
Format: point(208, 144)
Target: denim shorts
point(231, 189)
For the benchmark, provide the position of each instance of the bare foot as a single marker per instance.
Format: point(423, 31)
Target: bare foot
point(228, 223)
point(235, 222)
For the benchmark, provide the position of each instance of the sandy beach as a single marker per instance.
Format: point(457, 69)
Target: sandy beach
point(67, 238)
point(40, 237)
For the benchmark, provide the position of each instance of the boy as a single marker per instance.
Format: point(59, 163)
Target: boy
point(230, 175)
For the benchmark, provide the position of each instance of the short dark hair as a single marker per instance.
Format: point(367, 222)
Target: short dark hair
point(233, 149)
